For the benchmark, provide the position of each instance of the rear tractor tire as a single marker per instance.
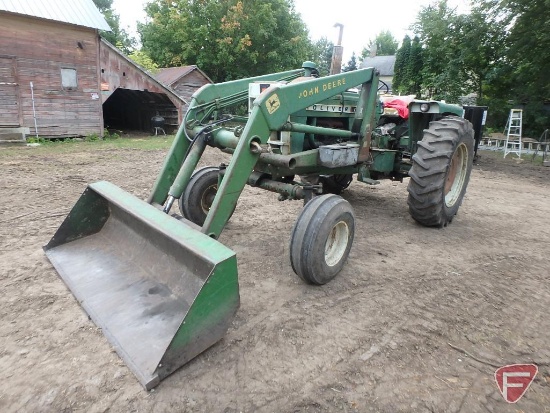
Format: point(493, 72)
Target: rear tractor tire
point(441, 171)
point(197, 198)
point(321, 238)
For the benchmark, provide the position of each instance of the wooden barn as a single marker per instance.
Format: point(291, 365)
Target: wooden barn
point(58, 78)
point(184, 80)
point(132, 96)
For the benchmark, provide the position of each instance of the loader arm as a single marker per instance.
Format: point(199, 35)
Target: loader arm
point(204, 103)
point(270, 113)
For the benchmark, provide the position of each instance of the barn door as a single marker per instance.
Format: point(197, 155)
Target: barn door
point(9, 93)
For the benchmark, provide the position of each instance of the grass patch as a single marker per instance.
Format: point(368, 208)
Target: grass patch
point(87, 144)
point(538, 159)
point(498, 156)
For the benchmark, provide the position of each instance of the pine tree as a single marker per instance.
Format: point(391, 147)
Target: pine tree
point(351, 64)
point(321, 54)
point(400, 78)
point(414, 68)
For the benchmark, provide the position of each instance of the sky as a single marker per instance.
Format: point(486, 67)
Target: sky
point(362, 19)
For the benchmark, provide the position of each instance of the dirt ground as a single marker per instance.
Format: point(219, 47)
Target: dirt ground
point(418, 321)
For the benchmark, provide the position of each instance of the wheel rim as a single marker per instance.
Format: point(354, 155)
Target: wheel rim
point(208, 197)
point(456, 175)
point(337, 243)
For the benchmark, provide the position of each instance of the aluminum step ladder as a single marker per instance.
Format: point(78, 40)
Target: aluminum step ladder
point(513, 133)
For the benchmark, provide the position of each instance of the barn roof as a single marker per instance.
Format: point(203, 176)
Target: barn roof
point(170, 75)
point(385, 64)
point(151, 78)
point(78, 12)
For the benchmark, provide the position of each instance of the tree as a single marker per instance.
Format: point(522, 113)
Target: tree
point(521, 73)
point(143, 59)
point(529, 40)
point(228, 40)
point(166, 41)
point(384, 44)
point(321, 54)
point(351, 64)
point(118, 36)
point(498, 50)
point(482, 46)
point(400, 77)
point(443, 77)
point(414, 68)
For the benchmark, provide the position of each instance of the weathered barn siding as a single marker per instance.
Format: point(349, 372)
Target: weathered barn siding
point(36, 50)
point(184, 80)
point(188, 84)
point(10, 109)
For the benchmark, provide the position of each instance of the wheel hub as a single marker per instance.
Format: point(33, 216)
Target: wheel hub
point(208, 198)
point(456, 176)
point(336, 244)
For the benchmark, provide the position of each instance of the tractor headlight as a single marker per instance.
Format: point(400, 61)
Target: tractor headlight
point(424, 107)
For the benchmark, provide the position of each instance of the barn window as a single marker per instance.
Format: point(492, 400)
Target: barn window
point(68, 78)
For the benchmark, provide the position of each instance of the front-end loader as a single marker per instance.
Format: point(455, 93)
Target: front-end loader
point(161, 286)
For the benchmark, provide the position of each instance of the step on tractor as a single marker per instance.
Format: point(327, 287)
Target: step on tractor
point(160, 285)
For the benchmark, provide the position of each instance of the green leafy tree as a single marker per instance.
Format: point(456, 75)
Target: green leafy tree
point(529, 51)
point(228, 40)
point(351, 64)
point(483, 45)
point(167, 38)
point(118, 36)
point(498, 50)
point(384, 43)
point(400, 70)
point(460, 53)
point(414, 68)
point(321, 54)
point(143, 59)
point(443, 74)
point(522, 78)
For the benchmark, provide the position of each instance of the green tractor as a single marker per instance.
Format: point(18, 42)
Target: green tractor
point(161, 286)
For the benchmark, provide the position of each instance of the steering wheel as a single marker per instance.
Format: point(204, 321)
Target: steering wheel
point(383, 85)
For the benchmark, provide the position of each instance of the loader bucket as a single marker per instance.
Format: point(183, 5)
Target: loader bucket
point(161, 291)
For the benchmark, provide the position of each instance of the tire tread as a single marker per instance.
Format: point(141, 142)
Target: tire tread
point(431, 161)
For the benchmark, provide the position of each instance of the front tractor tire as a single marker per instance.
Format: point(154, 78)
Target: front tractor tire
point(197, 198)
point(441, 171)
point(321, 238)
